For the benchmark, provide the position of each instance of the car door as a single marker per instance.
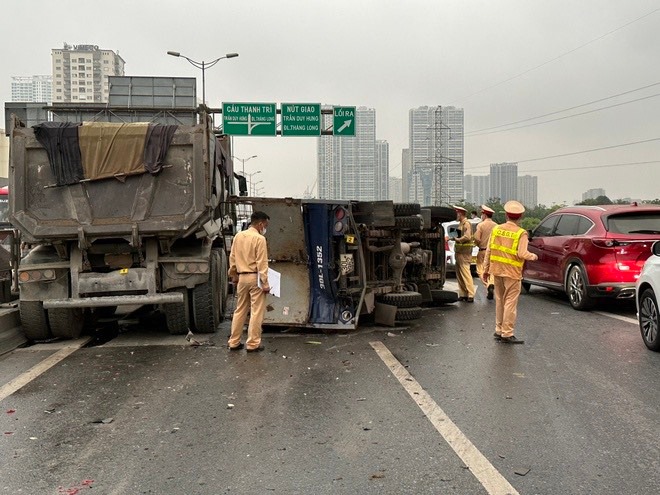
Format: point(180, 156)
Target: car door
point(562, 245)
point(539, 270)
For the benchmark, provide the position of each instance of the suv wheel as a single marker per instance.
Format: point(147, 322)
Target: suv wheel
point(576, 288)
point(649, 320)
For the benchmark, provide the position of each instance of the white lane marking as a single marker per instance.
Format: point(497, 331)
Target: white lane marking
point(22, 380)
point(481, 468)
point(617, 317)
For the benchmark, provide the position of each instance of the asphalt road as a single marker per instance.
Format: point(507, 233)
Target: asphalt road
point(573, 410)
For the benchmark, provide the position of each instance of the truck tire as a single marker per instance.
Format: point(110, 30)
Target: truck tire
point(407, 314)
point(34, 320)
point(406, 209)
point(66, 323)
point(409, 223)
point(407, 299)
point(444, 296)
point(207, 299)
point(224, 282)
point(177, 316)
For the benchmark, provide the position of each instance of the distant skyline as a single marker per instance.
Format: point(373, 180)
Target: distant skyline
point(505, 62)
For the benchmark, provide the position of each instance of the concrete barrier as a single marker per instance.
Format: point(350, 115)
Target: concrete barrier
point(11, 336)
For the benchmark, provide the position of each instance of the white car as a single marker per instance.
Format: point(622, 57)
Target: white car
point(451, 233)
point(648, 290)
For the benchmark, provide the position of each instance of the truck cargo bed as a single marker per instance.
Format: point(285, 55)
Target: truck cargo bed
point(166, 205)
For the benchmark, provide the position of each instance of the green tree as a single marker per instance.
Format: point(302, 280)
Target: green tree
point(530, 223)
point(600, 200)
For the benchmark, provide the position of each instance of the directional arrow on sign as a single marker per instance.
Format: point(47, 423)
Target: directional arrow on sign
point(346, 124)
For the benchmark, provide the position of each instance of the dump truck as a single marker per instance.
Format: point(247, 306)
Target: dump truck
point(120, 212)
point(343, 262)
point(112, 221)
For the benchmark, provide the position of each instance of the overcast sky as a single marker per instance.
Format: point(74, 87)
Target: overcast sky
point(393, 56)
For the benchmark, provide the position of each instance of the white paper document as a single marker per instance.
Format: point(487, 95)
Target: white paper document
point(274, 279)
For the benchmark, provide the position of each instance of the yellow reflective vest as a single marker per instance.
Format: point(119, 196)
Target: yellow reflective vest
point(504, 246)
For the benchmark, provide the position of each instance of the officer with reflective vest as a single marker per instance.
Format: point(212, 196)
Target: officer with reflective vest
point(463, 245)
point(505, 256)
point(481, 238)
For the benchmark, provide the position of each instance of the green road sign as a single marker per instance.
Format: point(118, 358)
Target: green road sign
point(249, 119)
point(343, 121)
point(301, 119)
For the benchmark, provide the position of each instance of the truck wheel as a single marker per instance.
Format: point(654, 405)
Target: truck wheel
point(444, 296)
point(405, 299)
point(105, 311)
point(406, 209)
point(177, 316)
point(409, 223)
point(34, 320)
point(207, 299)
point(224, 282)
point(66, 323)
point(406, 314)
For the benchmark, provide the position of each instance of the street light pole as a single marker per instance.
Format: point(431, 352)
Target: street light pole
point(243, 160)
point(203, 66)
point(251, 183)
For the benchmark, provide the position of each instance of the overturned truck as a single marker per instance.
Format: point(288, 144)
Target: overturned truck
point(341, 261)
point(120, 214)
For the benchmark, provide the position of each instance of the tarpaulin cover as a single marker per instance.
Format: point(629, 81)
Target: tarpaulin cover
point(111, 149)
point(323, 304)
point(98, 150)
point(61, 142)
point(159, 138)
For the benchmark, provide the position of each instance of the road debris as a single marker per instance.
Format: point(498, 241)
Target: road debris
point(190, 337)
point(522, 471)
point(105, 421)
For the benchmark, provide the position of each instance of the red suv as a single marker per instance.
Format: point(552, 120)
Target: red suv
point(592, 252)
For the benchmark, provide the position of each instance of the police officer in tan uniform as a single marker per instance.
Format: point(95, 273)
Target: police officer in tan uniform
point(248, 269)
point(481, 238)
point(463, 245)
point(505, 257)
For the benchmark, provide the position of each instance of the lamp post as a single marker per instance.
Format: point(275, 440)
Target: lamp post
point(253, 187)
point(243, 160)
point(203, 65)
point(249, 178)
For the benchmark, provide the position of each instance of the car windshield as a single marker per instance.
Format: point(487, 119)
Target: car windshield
point(635, 223)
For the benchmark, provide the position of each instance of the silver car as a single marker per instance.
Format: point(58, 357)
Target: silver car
point(648, 290)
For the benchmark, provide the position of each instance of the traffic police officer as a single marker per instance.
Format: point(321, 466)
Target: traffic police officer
point(481, 238)
point(505, 257)
point(463, 245)
point(248, 269)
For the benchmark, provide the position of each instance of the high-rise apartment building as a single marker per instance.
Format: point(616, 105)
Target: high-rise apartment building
point(528, 193)
point(477, 189)
point(405, 175)
point(382, 184)
point(396, 189)
point(593, 193)
point(436, 155)
point(31, 88)
point(353, 167)
point(504, 181)
point(80, 73)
